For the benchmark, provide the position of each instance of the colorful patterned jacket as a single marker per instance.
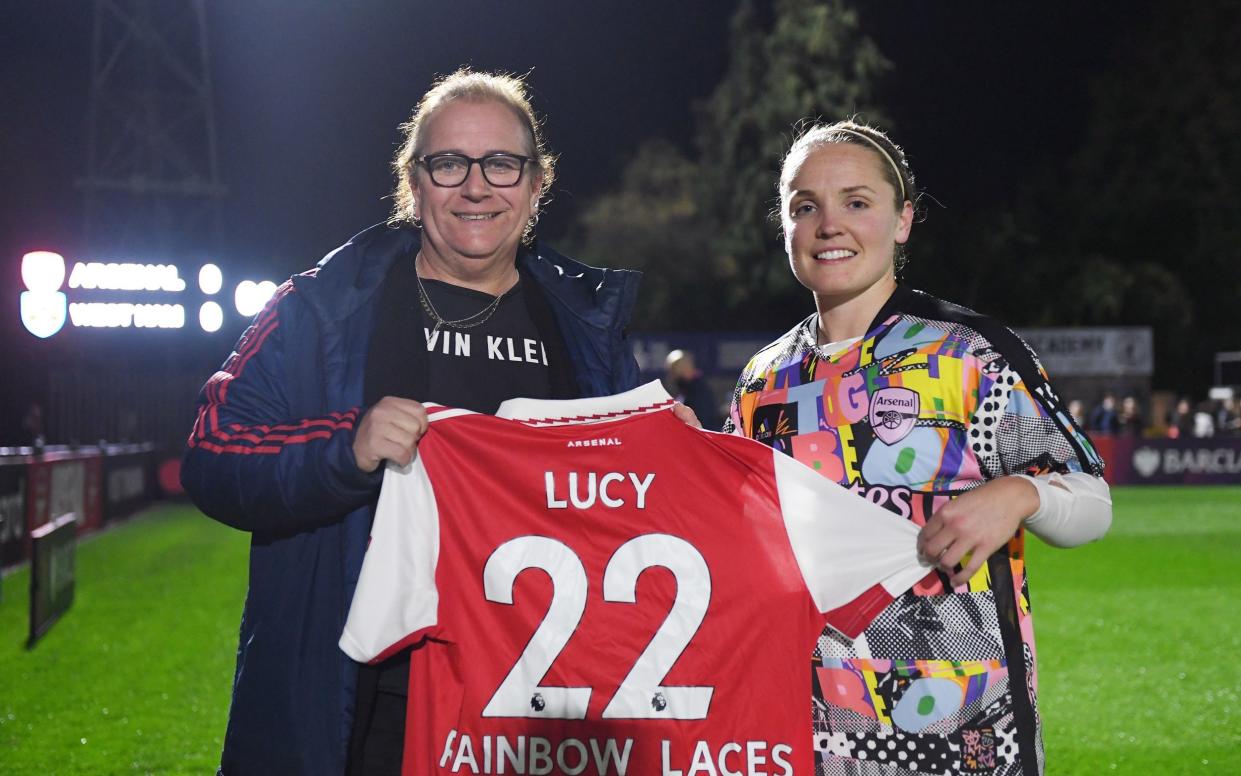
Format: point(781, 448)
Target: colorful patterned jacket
point(934, 400)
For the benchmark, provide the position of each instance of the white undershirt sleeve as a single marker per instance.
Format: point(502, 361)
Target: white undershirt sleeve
point(1074, 508)
point(396, 594)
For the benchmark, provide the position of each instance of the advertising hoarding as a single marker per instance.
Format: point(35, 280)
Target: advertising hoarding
point(52, 566)
point(1138, 461)
point(1083, 351)
point(12, 514)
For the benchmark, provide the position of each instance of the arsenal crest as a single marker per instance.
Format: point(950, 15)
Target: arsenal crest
point(892, 413)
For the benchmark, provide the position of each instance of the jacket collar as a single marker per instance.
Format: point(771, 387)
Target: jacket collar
point(602, 298)
point(348, 277)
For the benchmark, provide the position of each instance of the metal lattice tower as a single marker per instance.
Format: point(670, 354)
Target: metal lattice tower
point(152, 183)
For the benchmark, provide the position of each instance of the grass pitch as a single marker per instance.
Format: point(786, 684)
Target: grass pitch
point(1138, 642)
point(1139, 638)
point(135, 677)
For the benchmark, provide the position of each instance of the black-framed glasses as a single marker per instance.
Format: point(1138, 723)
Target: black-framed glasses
point(500, 170)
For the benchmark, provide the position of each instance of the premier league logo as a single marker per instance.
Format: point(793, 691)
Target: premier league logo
point(892, 413)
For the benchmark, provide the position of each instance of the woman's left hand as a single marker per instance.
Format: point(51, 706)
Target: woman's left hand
point(976, 523)
point(686, 415)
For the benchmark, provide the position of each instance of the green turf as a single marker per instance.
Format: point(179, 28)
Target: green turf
point(1138, 646)
point(135, 677)
point(1139, 638)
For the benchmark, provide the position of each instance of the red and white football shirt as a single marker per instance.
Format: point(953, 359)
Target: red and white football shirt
point(603, 589)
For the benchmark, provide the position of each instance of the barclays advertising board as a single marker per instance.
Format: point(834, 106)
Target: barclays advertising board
point(1132, 461)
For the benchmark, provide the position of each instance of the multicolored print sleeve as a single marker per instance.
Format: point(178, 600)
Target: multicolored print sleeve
point(755, 375)
point(735, 423)
point(1020, 425)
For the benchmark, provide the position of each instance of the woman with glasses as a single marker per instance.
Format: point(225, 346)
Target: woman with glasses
point(944, 417)
point(451, 301)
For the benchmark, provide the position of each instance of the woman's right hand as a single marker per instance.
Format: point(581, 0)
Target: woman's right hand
point(389, 430)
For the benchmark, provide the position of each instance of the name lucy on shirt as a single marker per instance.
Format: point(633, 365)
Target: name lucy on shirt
point(536, 756)
point(598, 488)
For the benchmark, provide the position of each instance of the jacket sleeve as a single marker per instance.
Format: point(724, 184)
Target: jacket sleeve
point(252, 465)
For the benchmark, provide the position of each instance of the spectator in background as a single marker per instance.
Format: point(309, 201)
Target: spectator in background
point(689, 387)
point(1204, 421)
point(33, 434)
point(1227, 419)
point(1131, 422)
point(1181, 420)
point(1077, 412)
point(1104, 418)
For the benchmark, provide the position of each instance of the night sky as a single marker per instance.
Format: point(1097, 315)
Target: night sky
point(308, 96)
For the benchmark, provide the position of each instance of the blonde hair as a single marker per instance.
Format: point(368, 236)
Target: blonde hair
point(466, 84)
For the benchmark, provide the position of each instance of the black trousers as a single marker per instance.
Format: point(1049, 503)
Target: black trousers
point(378, 737)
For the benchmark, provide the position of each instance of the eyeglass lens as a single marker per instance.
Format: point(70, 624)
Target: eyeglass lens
point(453, 169)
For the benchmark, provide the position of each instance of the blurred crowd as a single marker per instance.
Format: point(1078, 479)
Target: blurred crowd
point(1185, 419)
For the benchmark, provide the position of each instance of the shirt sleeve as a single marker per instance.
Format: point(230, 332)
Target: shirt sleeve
point(733, 421)
point(1020, 426)
point(855, 557)
point(1074, 508)
point(396, 597)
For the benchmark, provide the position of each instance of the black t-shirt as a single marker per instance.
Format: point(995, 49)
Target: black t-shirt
point(478, 367)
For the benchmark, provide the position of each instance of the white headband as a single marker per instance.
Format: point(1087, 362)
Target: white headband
point(880, 149)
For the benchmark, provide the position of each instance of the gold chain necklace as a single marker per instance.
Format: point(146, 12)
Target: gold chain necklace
point(467, 322)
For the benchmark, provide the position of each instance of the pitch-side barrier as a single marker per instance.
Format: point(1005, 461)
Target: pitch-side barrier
point(1194, 461)
point(96, 484)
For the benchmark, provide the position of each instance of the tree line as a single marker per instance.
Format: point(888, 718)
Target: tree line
point(1140, 225)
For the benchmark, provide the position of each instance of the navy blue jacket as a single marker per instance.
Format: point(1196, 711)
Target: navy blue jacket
point(271, 453)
